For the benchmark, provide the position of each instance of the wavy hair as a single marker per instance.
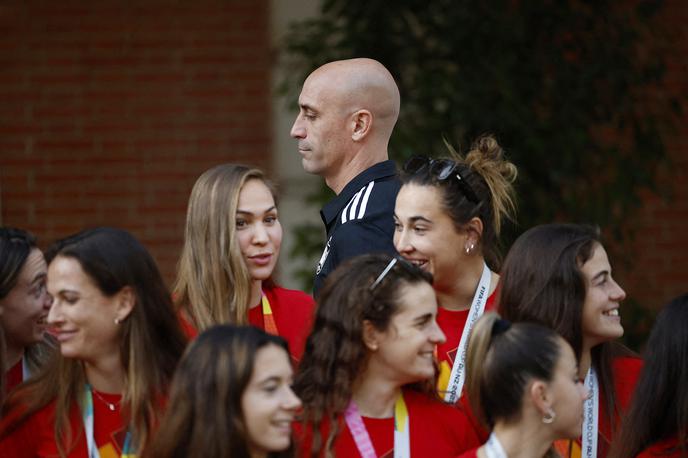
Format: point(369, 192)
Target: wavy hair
point(213, 284)
point(204, 418)
point(150, 339)
point(490, 175)
point(335, 353)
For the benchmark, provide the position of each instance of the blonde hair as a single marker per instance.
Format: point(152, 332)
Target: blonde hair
point(213, 284)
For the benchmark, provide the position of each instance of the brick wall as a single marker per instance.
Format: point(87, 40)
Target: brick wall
point(108, 113)
point(660, 253)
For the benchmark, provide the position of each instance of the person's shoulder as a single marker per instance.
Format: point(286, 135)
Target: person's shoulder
point(627, 366)
point(472, 453)
point(292, 295)
point(668, 448)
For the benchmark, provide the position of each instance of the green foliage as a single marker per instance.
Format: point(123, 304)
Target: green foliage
point(562, 84)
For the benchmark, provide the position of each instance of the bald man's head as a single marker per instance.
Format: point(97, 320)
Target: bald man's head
point(361, 84)
point(346, 108)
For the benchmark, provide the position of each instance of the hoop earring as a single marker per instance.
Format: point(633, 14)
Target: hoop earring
point(549, 417)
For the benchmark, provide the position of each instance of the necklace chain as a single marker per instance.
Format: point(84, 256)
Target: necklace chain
point(111, 406)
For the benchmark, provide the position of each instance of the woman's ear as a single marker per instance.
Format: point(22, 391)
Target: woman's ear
point(474, 234)
point(371, 336)
point(541, 397)
point(126, 300)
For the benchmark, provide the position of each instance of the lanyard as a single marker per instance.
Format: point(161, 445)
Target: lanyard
point(87, 414)
point(591, 410)
point(269, 324)
point(402, 442)
point(26, 372)
point(493, 448)
point(458, 373)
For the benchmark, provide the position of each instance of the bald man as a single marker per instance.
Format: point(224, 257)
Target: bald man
point(347, 110)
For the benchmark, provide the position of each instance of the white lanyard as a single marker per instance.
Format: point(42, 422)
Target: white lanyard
point(493, 448)
point(402, 441)
point(26, 372)
point(458, 373)
point(591, 411)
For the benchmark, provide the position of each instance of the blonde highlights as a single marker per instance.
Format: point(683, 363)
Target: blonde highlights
point(213, 284)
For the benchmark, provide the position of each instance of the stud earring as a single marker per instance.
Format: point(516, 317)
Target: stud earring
point(470, 248)
point(549, 417)
point(116, 320)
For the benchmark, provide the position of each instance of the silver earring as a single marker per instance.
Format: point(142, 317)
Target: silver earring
point(470, 248)
point(549, 416)
point(116, 320)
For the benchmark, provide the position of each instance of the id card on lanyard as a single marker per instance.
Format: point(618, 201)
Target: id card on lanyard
point(402, 441)
point(457, 378)
point(269, 324)
point(591, 411)
point(88, 418)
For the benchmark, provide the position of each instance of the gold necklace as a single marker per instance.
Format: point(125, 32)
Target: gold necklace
point(110, 405)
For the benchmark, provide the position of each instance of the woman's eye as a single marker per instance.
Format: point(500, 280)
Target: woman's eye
point(270, 219)
point(241, 223)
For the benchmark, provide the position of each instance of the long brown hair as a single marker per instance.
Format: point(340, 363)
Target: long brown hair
point(335, 354)
point(490, 176)
point(213, 284)
point(542, 282)
point(204, 417)
point(659, 409)
point(151, 341)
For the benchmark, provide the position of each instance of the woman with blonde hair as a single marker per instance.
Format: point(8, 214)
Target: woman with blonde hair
point(448, 217)
point(231, 244)
point(120, 341)
point(231, 397)
point(522, 381)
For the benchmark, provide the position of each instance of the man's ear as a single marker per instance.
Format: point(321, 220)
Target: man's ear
point(371, 336)
point(362, 121)
point(126, 300)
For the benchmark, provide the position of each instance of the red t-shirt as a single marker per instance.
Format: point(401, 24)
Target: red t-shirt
point(35, 437)
point(473, 453)
point(437, 430)
point(15, 375)
point(292, 311)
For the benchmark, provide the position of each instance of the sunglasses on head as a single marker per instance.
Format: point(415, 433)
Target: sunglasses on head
point(394, 261)
point(441, 169)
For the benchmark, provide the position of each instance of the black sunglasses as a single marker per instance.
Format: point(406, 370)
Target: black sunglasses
point(441, 169)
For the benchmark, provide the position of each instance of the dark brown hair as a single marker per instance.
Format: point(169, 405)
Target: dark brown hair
point(542, 282)
point(151, 341)
point(204, 416)
point(659, 409)
point(501, 363)
point(490, 176)
point(335, 353)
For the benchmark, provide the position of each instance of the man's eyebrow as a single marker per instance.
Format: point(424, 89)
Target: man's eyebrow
point(306, 107)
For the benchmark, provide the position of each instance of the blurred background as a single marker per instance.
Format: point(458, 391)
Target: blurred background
point(110, 110)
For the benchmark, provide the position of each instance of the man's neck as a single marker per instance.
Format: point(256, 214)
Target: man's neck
point(349, 170)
